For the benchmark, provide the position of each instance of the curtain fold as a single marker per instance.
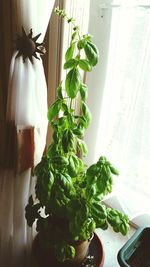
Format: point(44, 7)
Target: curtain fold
point(26, 114)
point(6, 48)
point(54, 57)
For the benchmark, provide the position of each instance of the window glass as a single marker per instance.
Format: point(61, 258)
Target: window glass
point(123, 120)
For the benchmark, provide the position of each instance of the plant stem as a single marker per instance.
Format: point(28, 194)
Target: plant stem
point(71, 104)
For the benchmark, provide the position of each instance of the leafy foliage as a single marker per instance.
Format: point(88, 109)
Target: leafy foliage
point(70, 193)
point(73, 81)
point(64, 252)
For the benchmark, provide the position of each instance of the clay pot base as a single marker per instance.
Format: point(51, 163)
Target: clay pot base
point(94, 258)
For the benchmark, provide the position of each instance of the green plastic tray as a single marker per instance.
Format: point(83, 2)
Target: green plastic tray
point(132, 244)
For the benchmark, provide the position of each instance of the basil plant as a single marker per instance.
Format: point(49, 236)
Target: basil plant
point(68, 204)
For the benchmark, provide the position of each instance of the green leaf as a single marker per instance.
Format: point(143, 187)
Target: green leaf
point(60, 199)
point(65, 182)
point(81, 44)
point(113, 169)
point(82, 122)
point(72, 170)
point(52, 150)
point(79, 131)
point(83, 91)
point(85, 65)
point(72, 83)
point(74, 165)
point(65, 141)
point(63, 123)
point(90, 225)
point(74, 35)
point(43, 187)
point(70, 63)
point(124, 227)
point(93, 170)
point(99, 210)
point(55, 136)
point(59, 91)
point(88, 37)
point(82, 147)
point(86, 114)
point(81, 165)
point(31, 212)
point(65, 108)
point(91, 180)
point(92, 53)
point(31, 200)
point(104, 181)
point(118, 221)
point(64, 252)
point(54, 109)
point(91, 191)
point(102, 160)
point(70, 52)
point(60, 160)
point(40, 168)
point(81, 226)
point(68, 141)
point(103, 225)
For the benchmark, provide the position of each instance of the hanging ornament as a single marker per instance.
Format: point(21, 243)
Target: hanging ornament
point(28, 47)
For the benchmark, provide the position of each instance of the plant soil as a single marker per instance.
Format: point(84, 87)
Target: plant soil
point(141, 255)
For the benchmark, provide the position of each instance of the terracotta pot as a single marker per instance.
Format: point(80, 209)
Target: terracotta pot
point(46, 258)
point(81, 248)
point(99, 250)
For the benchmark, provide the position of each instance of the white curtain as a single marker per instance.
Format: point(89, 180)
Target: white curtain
point(26, 109)
point(123, 110)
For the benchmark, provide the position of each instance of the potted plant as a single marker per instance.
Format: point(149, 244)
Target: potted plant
point(68, 206)
point(135, 253)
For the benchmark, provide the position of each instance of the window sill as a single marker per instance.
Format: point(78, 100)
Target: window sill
point(112, 243)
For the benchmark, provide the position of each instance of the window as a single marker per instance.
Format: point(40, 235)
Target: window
point(119, 99)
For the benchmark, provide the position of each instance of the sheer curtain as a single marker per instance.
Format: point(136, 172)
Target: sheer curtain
point(27, 118)
point(122, 131)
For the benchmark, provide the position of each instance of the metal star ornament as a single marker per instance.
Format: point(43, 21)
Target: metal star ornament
point(27, 46)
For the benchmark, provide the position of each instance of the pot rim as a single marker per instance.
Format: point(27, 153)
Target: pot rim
point(102, 249)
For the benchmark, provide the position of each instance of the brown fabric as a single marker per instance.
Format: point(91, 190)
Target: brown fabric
point(25, 149)
point(6, 49)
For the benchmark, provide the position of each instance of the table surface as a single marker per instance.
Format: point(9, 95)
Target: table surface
point(112, 242)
